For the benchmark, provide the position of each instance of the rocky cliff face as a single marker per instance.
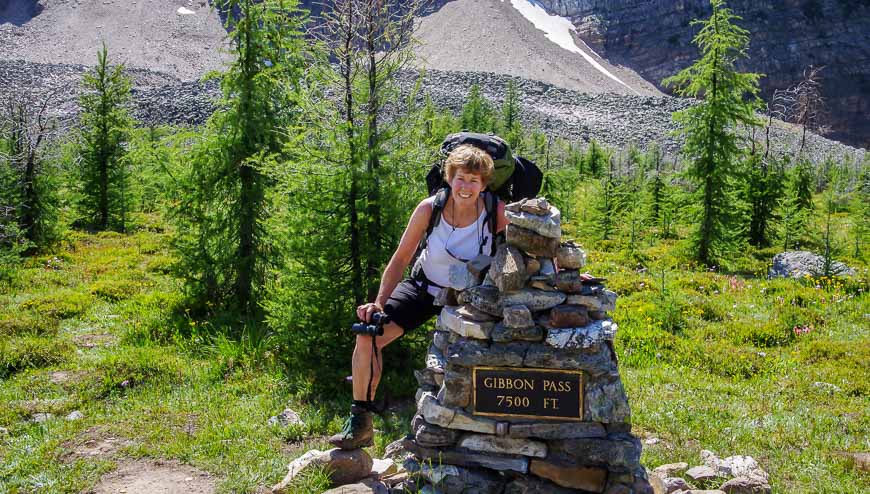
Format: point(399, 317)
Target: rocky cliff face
point(653, 37)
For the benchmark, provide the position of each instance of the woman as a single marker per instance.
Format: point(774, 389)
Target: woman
point(461, 234)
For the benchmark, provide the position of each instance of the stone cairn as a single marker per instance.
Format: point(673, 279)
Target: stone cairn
point(521, 393)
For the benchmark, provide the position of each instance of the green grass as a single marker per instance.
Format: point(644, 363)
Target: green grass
point(709, 360)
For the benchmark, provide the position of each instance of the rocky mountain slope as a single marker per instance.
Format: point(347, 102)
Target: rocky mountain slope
point(653, 37)
point(168, 44)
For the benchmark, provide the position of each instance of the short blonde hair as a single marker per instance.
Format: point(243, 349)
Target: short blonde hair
point(470, 159)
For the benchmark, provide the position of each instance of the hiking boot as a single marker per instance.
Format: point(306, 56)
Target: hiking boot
point(357, 432)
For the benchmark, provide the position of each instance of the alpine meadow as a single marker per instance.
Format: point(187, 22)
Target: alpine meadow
point(177, 290)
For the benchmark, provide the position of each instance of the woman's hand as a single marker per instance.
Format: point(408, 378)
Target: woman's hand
point(586, 277)
point(364, 312)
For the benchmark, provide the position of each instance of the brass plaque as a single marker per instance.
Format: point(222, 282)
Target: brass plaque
point(528, 393)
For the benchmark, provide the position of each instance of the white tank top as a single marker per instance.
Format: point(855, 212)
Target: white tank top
point(463, 243)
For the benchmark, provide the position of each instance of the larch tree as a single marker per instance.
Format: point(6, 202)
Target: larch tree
point(104, 129)
point(225, 247)
point(713, 147)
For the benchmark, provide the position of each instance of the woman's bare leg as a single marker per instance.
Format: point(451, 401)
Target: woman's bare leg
point(362, 360)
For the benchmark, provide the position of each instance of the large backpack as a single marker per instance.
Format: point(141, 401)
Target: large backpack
point(514, 178)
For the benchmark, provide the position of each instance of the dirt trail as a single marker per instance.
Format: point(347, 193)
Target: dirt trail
point(155, 477)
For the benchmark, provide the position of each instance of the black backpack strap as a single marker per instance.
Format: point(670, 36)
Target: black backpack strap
point(438, 202)
point(490, 202)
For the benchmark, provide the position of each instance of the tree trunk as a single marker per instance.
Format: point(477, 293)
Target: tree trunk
point(373, 257)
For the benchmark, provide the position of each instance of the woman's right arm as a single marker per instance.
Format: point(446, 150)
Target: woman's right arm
point(414, 233)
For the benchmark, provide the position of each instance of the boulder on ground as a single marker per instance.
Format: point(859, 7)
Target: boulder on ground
point(798, 264)
point(344, 467)
point(746, 485)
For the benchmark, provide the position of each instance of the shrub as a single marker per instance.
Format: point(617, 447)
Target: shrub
point(767, 335)
point(62, 304)
point(27, 323)
point(134, 366)
point(722, 359)
point(19, 353)
point(114, 290)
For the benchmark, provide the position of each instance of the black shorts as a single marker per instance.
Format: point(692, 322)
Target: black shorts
point(410, 306)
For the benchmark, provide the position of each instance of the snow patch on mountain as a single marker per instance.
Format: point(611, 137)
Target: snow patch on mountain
point(559, 30)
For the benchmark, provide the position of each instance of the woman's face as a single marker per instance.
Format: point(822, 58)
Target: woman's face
point(466, 187)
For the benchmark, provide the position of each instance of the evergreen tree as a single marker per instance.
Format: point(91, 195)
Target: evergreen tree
point(28, 178)
point(607, 204)
point(596, 160)
point(225, 247)
point(511, 128)
point(793, 213)
point(860, 213)
point(477, 113)
point(712, 144)
point(105, 125)
point(348, 189)
point(764, 188)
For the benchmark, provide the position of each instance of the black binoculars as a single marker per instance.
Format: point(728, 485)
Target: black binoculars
point(374, 328)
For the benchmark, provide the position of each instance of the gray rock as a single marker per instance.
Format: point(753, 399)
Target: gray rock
point(469, 353)
point(465, 458)
point(467, 328)
point(517, 316)
point(604, 300)
point(531, 242)
point(503, 445)
point(674, 484)
point(569, 281)
point(534, 485)
point(503, 334)
point(75, 415)
point(548, 271)
point(701, 474)
point(460, 278)
point(569, 256)
point(451, 479)
point(434, 436)
point(440, 340)
point(543, 356)
point(549, 430)
point(798, 264)
point(535, 205)
point(533, 266)
point(746, 485)
point(622, 452)
point(425, 377)
point(435, 359)
point(479, 264)
point(368, 486)
point(41, 417)
point(438, 414)
point(568, 316)
point(590, 336)
point(584, 478)
point(446, 296)
point(739, 466)
point(468, 311)
point(548, 225)
point(456, 390)
point(508, 270)
point(535, 300)
point(671, 469)
point(396, 451)
point(484, 298)
point(605, 401)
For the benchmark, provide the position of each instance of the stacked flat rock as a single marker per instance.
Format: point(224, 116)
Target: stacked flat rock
point(525, 310)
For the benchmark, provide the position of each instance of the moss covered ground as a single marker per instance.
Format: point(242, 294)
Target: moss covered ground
point(734, 363)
